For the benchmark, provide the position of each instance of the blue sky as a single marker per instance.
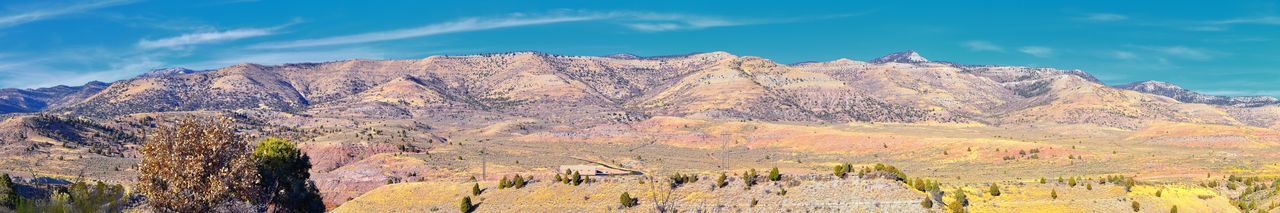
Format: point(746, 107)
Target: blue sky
point(1225, 48)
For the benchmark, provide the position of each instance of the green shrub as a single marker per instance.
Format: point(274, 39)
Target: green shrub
point(1173, 209)
point(1053, 193)
point(926, 203)
point(627, 201)
point(774, 175)
point(577, 178)
point(465, 205)
point(284, 176)
point(79, 197)
point(475, 189)
point(838, 171)
point(722, 181)
point(994, 190)
point(1136, 207)
point(8, 193)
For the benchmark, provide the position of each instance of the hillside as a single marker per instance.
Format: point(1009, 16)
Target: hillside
point(367, 124)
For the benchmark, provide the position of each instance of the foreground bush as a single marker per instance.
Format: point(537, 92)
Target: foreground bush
point(197, 167)
point(79, 197)
point(285, 172)
point(8, 195)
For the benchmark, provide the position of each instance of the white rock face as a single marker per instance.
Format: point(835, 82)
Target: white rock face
point(901, 57)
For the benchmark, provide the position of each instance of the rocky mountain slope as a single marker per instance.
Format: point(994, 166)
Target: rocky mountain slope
point(1176, 92)
point(14, 100)
point(899, 87)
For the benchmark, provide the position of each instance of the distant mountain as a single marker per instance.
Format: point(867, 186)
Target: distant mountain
point(166, 72)
point(901, 57)
point(34, 100)
point(1188, 96)
point(591, 90)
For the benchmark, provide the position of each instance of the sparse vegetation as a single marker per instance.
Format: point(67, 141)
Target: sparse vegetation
point(79, 197)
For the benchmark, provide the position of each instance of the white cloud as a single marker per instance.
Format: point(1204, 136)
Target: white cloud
point(204, 37)
point(1104, 17)
point(655, 22)
point(1264, 20)
point(1123, 55)
point(37, 75)
point(211, 36)
point(1274, 93)
point(983, 46)
point(464, 25)
point(1037, 51)
point(640, 21)
point(1184, 52)
point(38, 14)
point(282, 57)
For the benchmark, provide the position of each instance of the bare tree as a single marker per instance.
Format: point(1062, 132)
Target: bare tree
point(197, 166)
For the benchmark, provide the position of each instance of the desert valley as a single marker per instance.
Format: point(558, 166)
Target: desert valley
point(702, 132)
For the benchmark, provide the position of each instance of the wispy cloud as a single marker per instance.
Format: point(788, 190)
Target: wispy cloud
point(38, 14)
point(213, 36)
point(1123, 55)
point(282, 57)
point(981, 46)
point(1184, 52)
point(1273, 93)
point(36, 73)
point(655, 22)
point(204, 37)
point(1225, 24)
point(1264, 20)
point(464, 25)
point(639, 21)
point(1104, 17)
point(1037, 51)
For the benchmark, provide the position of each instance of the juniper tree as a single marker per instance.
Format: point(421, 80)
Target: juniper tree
point(475, 189)
point(465, 205)
point(994, 190)
point(285, 177)
point(774, 175)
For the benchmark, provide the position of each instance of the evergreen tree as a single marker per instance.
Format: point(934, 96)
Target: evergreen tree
point(465, 205)
point(285, 174)
point(1053, 193)
point(1136, 206)
point(839, 171)
point(926, 203)
point(1174, 209)
point(722, 181)
point(8, 193)
point(502, 184)
point(995, 190)
point(475, 189)
point(577, 178)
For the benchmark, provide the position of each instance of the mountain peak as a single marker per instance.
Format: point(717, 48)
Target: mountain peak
point(907, 56)
point(1152, 85)
point(167, 72)
point(623, 56)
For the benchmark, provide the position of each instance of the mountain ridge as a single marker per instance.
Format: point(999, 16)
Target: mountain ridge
point(899, 87)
